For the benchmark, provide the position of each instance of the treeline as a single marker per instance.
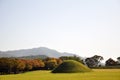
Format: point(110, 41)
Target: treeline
point(111, 62)
point(17, 65)
point(95, 62)
point(14, 65)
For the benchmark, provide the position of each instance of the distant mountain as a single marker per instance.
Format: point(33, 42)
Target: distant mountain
point(34, 51)
point(33, 57)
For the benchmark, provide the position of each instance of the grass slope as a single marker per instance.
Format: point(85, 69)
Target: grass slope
point(71, 66)
point(97, 74)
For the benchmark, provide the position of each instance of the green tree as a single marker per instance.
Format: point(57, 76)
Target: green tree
point(51, 63)
point(118, 59)
point(76, 58)
point(110, 62)
point(93, 61)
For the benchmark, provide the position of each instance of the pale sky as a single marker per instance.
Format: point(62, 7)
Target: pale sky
point(83, 27)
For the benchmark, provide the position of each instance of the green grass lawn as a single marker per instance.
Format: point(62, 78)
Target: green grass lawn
point(97, 74)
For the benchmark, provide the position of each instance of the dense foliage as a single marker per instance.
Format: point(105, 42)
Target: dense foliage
point(111, 62)
point(15, 65)
point(18, 65)
point(76, 58)
point(51, 63)
point(93, 61)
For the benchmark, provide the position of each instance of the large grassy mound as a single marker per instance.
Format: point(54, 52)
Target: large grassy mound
point(71, 66)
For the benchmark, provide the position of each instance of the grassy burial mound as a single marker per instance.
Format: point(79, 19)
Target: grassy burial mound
point(71, 66)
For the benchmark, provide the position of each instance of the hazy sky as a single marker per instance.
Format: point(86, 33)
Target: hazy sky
point(84, 27)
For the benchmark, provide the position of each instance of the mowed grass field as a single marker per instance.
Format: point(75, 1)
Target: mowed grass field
point(97, 74)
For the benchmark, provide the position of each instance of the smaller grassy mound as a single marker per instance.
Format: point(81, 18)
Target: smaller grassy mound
point(71, 66)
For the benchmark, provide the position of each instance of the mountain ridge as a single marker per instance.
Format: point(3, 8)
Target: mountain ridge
point(34, 51)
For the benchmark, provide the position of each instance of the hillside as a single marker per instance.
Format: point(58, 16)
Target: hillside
point(34, 51)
